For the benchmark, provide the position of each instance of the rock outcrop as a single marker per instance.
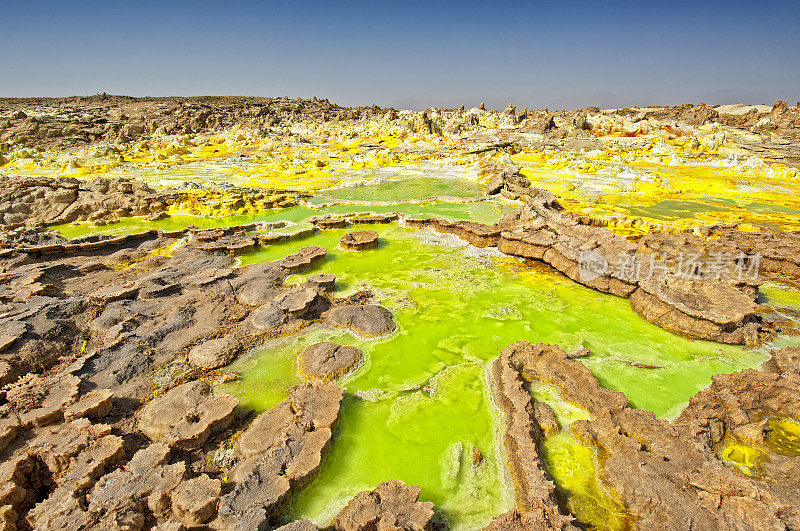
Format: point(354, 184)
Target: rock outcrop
point(66, 199)
point(195, 501)
point(707, 309)
point(391, 505)
point(304, 258)
point(359, 240)
point(535, 492)
point(128, 495)
point(758, 412)
point(187, 416)
point(668, 481)
point(477, 234)
point(669, 293)
point(148, 317)
point(668, 476)
point(279, 452)
point(327, 361)
point(503, 178)
point(366, 320)
point(214, 353)
point(538, 503)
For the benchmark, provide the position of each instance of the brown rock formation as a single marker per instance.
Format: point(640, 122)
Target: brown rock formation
point(186, 416)
point(280, 451)
point(359, 240)
point(304, 258)
point(707, 309)
point(327, 361)
point(298, 525)
point(41, 401)
point(668, 481)
point(741, 408)
point(720, 308)
point(214, 353)
point(668, 476)
point(366, 320)
point(65, 199)
point(534, 488)
point(392, 505)
point(503, 178)
point(94, 405)
point(195, 501)
point(325, 281)
point(77, 121)
point(477, 234)
point(141, 313)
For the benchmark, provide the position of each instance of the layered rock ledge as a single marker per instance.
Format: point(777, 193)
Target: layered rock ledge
point(391, 505)
point(328, 361)
point(359, 240)
point(535, 492)
point(668, 475)
point(279, 452)
point(720, 305)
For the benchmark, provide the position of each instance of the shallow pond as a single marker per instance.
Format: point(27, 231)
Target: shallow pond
point(407, 189)
point(485, 211)
point(419, 404)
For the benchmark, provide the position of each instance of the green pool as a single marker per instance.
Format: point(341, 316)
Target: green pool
point(419, 402)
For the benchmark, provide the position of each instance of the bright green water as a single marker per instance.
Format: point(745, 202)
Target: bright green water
point(179, 222)
point(411, 188)
point(779, 296)
point(481, 212)
point(456, 308)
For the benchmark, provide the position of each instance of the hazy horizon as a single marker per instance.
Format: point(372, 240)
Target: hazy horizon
point(415, 55)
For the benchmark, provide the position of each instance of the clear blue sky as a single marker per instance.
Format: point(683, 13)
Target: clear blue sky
point(406, 53)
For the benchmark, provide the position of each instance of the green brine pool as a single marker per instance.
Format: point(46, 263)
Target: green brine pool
point(419, 403)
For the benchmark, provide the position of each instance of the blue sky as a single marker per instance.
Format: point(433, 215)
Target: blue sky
point(406, 54)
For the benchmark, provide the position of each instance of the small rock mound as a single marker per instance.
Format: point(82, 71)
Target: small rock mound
point(304, 258)
point(95, 404)
point(325, 281)
point(359, 240)
point(40, 401)
point(503, 178)
point(186, 416)
point(297, 303)
point(281, 450)
point(215, 353)
point(367, 320)
point(392, 505)
point(327, 361)
point(195, 501)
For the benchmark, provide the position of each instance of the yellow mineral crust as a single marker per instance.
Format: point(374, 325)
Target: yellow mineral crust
point(633, 169)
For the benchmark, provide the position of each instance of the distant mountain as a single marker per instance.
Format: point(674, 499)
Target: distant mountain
point(420, 104)
point(604, 100)
point(730, 96)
